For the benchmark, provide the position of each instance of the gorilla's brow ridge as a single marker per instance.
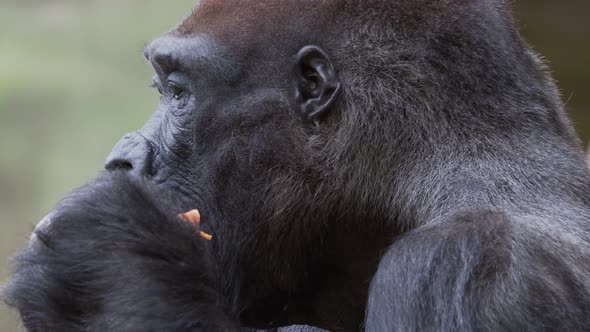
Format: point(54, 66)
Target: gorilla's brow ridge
point(170, 53)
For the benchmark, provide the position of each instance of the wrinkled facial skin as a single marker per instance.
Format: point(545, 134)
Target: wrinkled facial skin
point(217, 132)
point(235, 113)
point(209, 111)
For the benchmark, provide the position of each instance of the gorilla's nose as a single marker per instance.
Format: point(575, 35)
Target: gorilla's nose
point(132, 153)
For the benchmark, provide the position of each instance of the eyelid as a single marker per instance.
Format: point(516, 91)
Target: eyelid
point(178, 79)
point(176, 83)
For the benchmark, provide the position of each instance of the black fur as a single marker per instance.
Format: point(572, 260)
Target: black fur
point(115, 258)
point(483, 271)
point(442, 188)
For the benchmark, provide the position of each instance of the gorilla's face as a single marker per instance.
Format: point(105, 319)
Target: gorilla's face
point(218, 119)
point(232, 131)
point(230, 114)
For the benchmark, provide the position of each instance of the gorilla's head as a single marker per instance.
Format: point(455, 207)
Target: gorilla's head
point(290, 124)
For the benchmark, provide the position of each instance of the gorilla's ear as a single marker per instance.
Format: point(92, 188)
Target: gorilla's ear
point(316, 82)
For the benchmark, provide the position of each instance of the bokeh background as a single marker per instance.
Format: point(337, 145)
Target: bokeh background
point(73, 81)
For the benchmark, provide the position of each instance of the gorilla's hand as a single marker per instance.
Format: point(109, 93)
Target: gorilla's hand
point(113, 257)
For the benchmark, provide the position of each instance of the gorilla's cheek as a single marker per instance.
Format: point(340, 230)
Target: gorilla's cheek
point(177, 130)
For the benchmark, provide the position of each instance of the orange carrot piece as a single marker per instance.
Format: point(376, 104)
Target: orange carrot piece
point(206, 236)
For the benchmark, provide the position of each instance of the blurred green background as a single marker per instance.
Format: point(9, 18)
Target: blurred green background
point(73, 81)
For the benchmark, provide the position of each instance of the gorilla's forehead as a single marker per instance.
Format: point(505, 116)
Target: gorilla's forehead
point(232, 18)
point(243, 20)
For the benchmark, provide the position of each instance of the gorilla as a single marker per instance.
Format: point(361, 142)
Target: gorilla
point(377, 165)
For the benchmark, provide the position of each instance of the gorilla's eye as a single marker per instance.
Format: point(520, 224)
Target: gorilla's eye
point(177, 84)
point(176, 89)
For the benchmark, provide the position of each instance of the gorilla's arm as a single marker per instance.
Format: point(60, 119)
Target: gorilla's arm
point(113, 257)
point(482, 271)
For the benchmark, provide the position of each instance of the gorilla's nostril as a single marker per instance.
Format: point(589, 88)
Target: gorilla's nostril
point(132, 153)
point(118, 164)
